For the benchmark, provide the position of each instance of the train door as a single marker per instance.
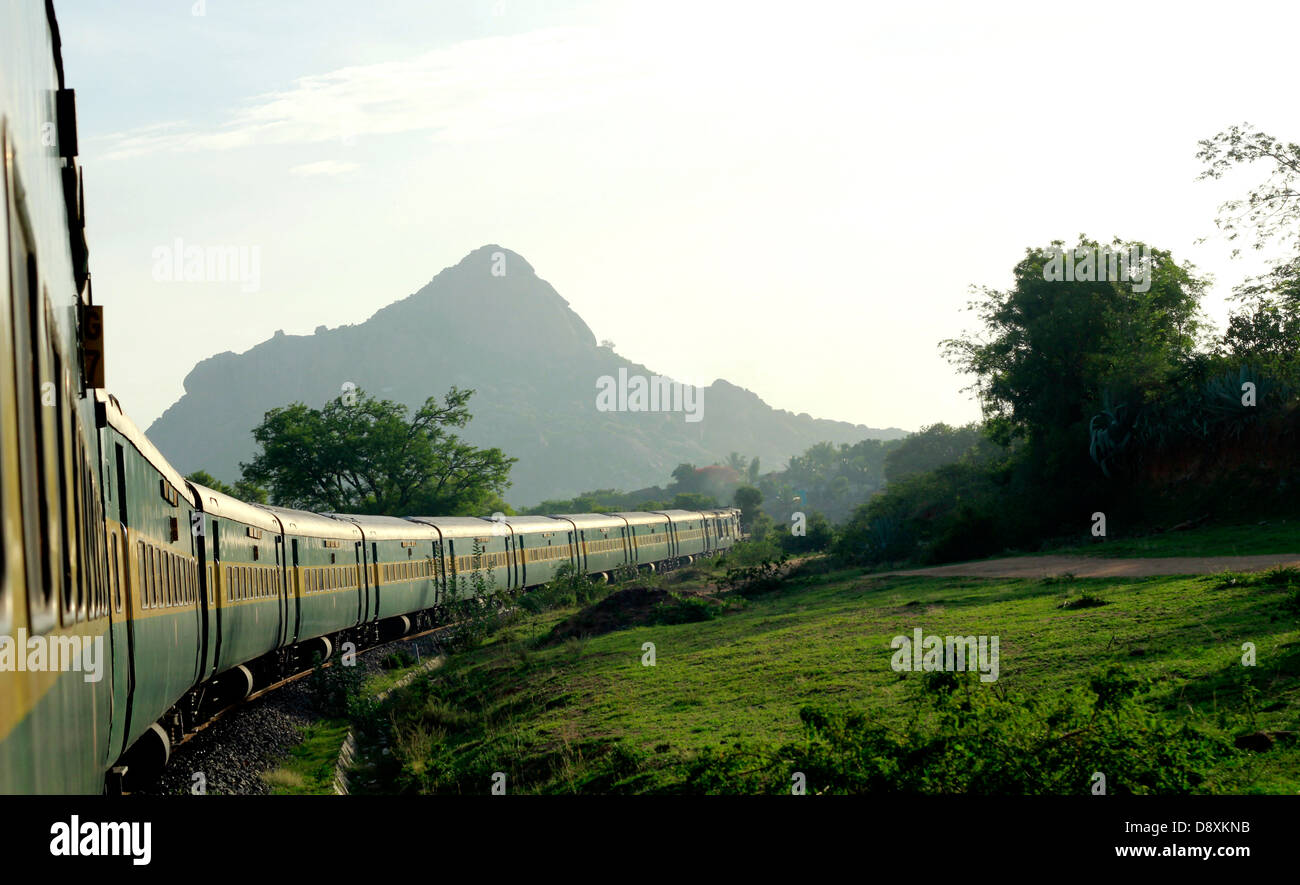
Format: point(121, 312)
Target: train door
point(363, 582)
point(123, 670)
point(218, 601)
point(372, 606)
point(287, 635)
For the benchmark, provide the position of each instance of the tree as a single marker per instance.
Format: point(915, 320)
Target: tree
point(684, 477)
point(1273, 208)
point(1265, 331)
point(1050, 347)
point(753, 471)
point(368, 457)
point(736, 462)
point(694, 501)
point(748, 500)
point(934, 446)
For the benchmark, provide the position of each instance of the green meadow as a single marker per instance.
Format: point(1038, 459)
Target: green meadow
point(1106, 674)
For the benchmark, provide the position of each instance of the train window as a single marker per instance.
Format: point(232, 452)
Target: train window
point(139, 560)
point(115, 556)
point(171, 584)
point(150, 576)
point(256, 553)
point(230, 590)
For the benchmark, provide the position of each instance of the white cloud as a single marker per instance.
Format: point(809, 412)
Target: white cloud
point(462, 92)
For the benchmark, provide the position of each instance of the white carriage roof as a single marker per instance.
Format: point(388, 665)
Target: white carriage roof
point(462, 526)
point(118, 420)
point(389, 528)
point(641, 517)
point(217, 504)
point(304, 522)
point(592, 520)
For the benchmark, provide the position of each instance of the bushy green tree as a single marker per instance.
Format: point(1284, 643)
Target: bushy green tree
point(368, 456)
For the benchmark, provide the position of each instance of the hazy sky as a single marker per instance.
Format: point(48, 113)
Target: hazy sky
point(796, 197)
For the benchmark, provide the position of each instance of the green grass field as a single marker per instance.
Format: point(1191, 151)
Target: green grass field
point(585, 715)
point(1272, 536)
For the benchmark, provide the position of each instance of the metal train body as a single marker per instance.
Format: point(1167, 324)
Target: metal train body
point(194, 598)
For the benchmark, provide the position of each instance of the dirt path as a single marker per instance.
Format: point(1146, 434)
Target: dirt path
point(1092, 567)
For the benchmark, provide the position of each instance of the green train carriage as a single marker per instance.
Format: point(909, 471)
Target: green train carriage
point(542, 545)
point(403, 563)
point(251, 612)
point(159, 609)
point(604, 542)
point(468, 546)
point(330, 590)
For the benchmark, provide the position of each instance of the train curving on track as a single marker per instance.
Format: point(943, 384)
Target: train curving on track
point(134, 603)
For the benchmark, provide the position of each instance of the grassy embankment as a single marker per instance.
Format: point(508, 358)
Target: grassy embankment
point(720, 710)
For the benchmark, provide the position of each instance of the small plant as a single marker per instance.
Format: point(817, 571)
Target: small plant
point(1083, 600)
point(334, 687)
point(397, 660)
point(755, 579)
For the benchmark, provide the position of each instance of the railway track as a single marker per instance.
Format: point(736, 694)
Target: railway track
point(231, 759)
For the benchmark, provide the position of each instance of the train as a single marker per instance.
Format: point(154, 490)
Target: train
point(133, 602)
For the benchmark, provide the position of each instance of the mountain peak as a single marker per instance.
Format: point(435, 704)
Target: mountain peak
point(489, 323)
point(497, 261)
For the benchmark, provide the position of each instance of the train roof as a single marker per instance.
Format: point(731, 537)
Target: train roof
point(528, 524)
point(460, 526)
point(117, 419)
point(389, 528)
point(679, 515)
point(641, 517)
point(313, 525)
point(218, 504)
point(592, 520)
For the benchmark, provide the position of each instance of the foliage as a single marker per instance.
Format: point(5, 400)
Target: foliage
point(1271, 209)
point(819, 535)
point(934, 446)
point(368, 457)
point(748, 500)
point(752, 580)
point(570, 587)
point(333, 688)
point(970, 739)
